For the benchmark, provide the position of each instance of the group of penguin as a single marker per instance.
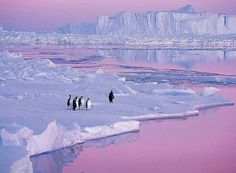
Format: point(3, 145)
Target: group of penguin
point(78, 103)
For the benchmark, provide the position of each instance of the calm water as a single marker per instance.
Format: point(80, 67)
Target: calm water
point(117, 60)
point(206, 143)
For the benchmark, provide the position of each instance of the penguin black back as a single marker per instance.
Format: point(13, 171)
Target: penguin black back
point(74, 103)
point(111, 96)
point(68, 101)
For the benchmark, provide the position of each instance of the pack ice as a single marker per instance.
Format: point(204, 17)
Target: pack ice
point(34, 118)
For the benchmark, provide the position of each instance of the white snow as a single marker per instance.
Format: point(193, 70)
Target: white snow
point(114, 129)
point(208, 91)
point(17, 138)
point(162, 116)
point(33, 95)
point(51, 139)
point(23, 165)
point(56, 137)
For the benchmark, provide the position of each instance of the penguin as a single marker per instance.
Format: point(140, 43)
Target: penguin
point(74, 103)
point(81, 102)
point(111, 96)
point(77, 102)
point(68, 102)
point(88, 104)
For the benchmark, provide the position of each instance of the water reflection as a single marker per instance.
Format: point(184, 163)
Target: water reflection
point(54, 162)
point(121, 59)
point(184, 58)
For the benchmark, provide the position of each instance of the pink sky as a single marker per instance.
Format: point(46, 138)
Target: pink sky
point(47, 15)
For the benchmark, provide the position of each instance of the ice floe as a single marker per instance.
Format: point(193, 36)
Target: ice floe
point(33, 95)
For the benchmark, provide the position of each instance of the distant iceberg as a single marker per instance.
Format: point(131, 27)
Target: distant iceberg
point(183, 21)
point(186, 9)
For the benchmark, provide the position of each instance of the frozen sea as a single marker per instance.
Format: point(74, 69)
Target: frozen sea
point(205, 143)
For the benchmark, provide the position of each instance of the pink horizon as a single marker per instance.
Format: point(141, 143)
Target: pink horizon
point(43, 15)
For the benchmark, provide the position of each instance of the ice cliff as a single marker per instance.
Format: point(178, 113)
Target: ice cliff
point(182, 21)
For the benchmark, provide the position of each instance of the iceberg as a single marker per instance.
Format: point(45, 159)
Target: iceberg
point(183, 21)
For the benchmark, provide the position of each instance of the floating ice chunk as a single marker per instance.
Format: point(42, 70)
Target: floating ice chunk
point(209, 91)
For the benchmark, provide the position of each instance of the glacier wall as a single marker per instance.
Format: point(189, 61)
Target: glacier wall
point(167, 24)
point(183, 21)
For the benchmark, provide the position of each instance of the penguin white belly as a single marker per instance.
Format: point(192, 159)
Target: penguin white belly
point(89, 104)
point(77, 103)
point(82, 102)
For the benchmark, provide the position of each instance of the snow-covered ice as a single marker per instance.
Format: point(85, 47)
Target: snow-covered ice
point(34, 118)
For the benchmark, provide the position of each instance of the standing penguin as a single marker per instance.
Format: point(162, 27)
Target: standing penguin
point(74, 103)
point(111, 96)
point(68, 102)
point(81, 102)
point(88, 104)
